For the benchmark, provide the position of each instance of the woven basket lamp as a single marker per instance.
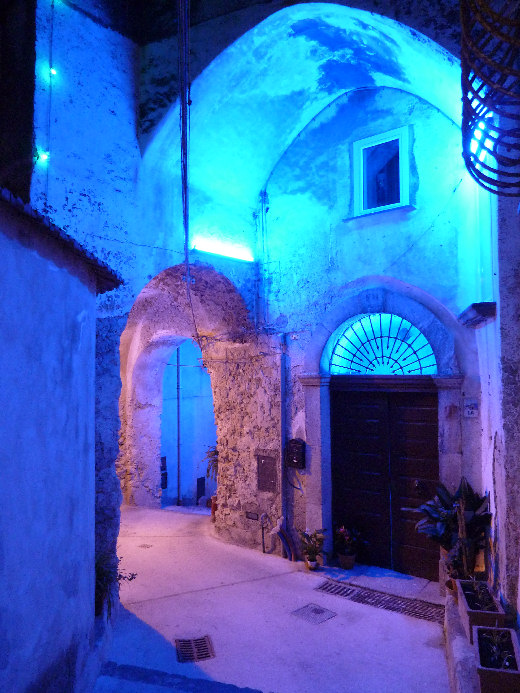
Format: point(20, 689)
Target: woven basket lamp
point(490, 58)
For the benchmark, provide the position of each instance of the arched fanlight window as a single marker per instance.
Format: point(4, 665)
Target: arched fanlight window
point(383, 344)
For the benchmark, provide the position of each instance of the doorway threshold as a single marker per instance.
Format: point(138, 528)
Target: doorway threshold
point(386, 581)
point(417, 608)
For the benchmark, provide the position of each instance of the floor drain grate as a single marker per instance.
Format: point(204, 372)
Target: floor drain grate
point(314, 613)
point(401, 605)
point(194, 650)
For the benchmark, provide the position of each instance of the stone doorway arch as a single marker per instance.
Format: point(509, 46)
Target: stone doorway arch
point(457, 378)
point(164, 315)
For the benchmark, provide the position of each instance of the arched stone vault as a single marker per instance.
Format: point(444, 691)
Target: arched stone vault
point(248, 106)
point(164, 315)
point(262, 91)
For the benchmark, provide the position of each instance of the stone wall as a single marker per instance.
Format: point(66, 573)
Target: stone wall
point(246, 380)
point(108, 388)
point(507, 448)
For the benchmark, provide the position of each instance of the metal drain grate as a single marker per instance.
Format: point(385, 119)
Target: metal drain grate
point(401, 605)
point(194, 650)
point(314, 613)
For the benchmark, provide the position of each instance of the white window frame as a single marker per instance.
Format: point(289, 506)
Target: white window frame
point(403, 136)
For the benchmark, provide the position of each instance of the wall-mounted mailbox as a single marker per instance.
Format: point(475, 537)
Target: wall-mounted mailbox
point(295, 453)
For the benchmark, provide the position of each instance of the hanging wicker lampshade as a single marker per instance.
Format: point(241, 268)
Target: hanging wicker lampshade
point(490, 57)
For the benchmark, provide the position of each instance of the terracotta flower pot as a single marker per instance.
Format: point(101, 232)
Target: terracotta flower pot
point(472, 614)
point(311, 565)
point(451, 588)
point(347, 561)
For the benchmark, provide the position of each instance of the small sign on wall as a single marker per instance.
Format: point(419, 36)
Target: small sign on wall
point(470, 408)
point(267, 473)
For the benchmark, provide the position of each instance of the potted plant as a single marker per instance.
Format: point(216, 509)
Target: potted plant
point(347, 542)
point(457, 522)
point(312, 547)
point(477, 606)
point(211, 457)
point(498, 659)
point(108, 576)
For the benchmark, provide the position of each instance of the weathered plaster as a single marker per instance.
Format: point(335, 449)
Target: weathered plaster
point(437, 20)
point(507, 478)
point(85, 120)
point(310, 195)
point(256, 97)
point(47, 459)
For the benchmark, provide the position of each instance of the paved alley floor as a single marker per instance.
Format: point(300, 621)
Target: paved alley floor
point(190, 584)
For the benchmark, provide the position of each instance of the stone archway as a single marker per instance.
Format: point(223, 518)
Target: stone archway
point(458, 377)
point(164, 315)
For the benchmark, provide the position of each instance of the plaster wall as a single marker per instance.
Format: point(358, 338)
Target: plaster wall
point(47, 459)
point(507, 481)
point(430, 244)
point(255, 98)
point(85, 120)
point(219, 28)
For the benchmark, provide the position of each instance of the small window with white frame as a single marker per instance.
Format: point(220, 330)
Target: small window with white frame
point(381, 172)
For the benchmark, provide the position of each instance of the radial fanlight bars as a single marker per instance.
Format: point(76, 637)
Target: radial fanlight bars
point(490, 57)
point(382, 344)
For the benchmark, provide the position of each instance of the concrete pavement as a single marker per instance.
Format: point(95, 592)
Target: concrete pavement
point(190, 584)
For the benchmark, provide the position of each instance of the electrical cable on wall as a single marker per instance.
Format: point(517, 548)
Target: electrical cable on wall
point(184, 122)
point(49, 110)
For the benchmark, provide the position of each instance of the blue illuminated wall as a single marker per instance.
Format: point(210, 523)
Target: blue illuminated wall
point(194, 400)
point(273, 120)
point(85, 125)
point(319, 244)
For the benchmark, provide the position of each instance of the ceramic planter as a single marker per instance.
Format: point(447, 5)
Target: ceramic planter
point(346, 561)
point(471, 614)
point(311, 565)
point(494, 678)
point(450, 589)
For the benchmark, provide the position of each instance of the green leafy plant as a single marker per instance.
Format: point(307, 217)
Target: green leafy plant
point(440, 523)
point(347, 540)
point(108, 576)
point(478, 595)
point(312, 543)
point(211, 458)
point(457, 522)
point(497, 649)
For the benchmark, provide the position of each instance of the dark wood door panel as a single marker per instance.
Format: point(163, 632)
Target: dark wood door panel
point(413, 491)
point(413, 446)
point(405, 534)
point(421, 560)
point(418, 467)
point(384, 465)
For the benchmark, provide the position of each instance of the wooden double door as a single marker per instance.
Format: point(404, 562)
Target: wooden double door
point(384, 448)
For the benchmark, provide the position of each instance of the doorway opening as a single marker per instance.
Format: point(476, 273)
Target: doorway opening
point(385, 463)
point(384, 438)
point(187, 429)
